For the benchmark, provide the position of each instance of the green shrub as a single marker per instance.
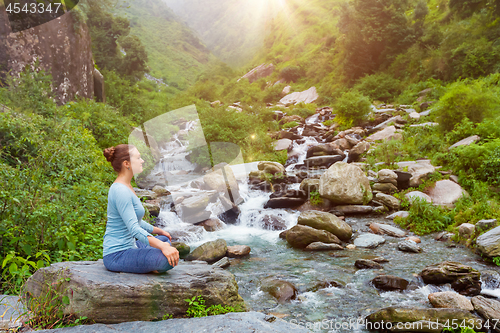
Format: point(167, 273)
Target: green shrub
point(291, 124)
point(425, 218)
point(382, 87)
point(351, 108)
point(315, 199)
point(466, 99)
point(291, 73)
point(197, 308)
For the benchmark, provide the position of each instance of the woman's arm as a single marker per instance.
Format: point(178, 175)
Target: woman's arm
point(168, 251)
point(162, 232)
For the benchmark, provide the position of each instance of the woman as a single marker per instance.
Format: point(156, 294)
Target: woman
point(121, 252)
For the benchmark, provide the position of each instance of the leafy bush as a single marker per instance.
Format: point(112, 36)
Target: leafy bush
point(291, 124)
point(197, 308)
point(466, 99)
point(382, 87)
point(291, 73)
point(351, 108)
point(315, 199)
point(425, 218)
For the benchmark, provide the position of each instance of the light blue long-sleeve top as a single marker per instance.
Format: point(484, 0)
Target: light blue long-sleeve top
point(125, 224)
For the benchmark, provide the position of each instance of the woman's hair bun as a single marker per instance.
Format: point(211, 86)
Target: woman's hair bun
point(109, 153)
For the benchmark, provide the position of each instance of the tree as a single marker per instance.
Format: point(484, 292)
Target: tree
point(134, 64)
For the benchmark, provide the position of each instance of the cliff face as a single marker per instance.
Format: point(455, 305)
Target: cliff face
point(62, 51)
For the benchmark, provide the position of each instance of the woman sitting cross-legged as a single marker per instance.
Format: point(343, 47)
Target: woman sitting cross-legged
point(121, 251)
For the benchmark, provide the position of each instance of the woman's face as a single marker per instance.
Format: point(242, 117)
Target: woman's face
point(136, 161)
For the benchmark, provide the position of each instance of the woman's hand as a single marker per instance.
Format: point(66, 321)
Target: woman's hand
point(161, 232)
point(171, 254)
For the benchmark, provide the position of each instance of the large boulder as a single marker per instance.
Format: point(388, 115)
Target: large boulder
point(282, 144)
point(466, 142)
point(306, 97)
point(450, 299)
point(209, 251)
point(419, 172)
point(222, 180)
point(369, 241)
point(108, 297)
point(326, 221)
point(324, 161)
point(263, 70)
point(387, 176)
point(309, 185)
point(388, 200)
point(464, 279)
point(446, 193)
point(241, 322)
point(488, 309)
point(238, 251)
point(388, 133)
point(387, 188)
point(489, 243)
point(356, 151)
point(345, 183)
point(283, 291)
point(271, 167)
point(300, 236)
point(417, 195)
point(271, 222)
point(385, 229)
point(389, 282)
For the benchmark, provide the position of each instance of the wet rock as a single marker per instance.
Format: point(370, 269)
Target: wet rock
point(238, 251)
point(271, 222)
point(183, 249)
point(326, 221)
point(282, 234)
point(450, 299)
point(300, 236)
point(107, 297)
point(356, 151)
point(446, 193)
point(306, 96)
point(388, 133)
point(319, 246)
point(354, 209)
point(342, 144)
point(191, 209)
point(160, 190)
point(488, 309)
point(388, 200)
point(345, 183)
point(387, 176)
point(211, 225)
point(209, 251)
point(152, 208)
point(417, 195)
point(483, 225)
point(414, 239)
point(367, 264)
point(145, 194)
point(464, 279)
point(322, 150)
point(222, 263)
point(350, 247)
point(231, 213)
point(402, 214)
point(489, 243)
point(283, 291)
point(263, 70)
point(409, 246)
point(389, 283)
point(386, 188)
point(370, 241)
point(282, 144)
point(466, 142)
point(385, 229)
point(325, 161)
point(420, 172)
point(284, 202)
point(466, 230)
point(309, 185)
point(399, 314)
point(326, 284)
point(223, 181)
point(271, 167)
point(444, 236)
point(490, 279)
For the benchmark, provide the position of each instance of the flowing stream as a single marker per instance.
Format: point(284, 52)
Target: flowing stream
point(322, 309)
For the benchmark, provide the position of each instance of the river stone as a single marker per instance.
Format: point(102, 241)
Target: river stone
point(488, 309)
point(322, 150)
point(356, 151)
point(466, 230)
point(388, 133)
point(271, 167)
point(489, 243)
point(222, 263)
point(145, 194)
point(345, 183)
point(325, 161)
point(370, 241)
point(403, 214)
point(282, 144)
point(108, 297)
point(387, 188)
point(300, 236)
point(326, 221)
point(388, 200)
point(450, 299)
point(419, 172)
point(222, 180)
point(283, 291)
point(271, 222)
point(209, 251)
point(414, 238)
point(389, 282)
point(153, 209)
point(387, 176)
point(466, 142)
point(238, 251)
point(446, 193)
point(341, 144)
point(367, 264)
point(193, 205)
point(399, 314)
point(309, 185)
point(417, 195)
point(160, 190)
point(284, 202)
point(319, 246)
point(241, 322)
point(483, 225)
point(354, 209)
point(464, 279)
point(414, 115)
point(212, 224)
point(409, 246)
point(385, 229)
point(183, 248)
